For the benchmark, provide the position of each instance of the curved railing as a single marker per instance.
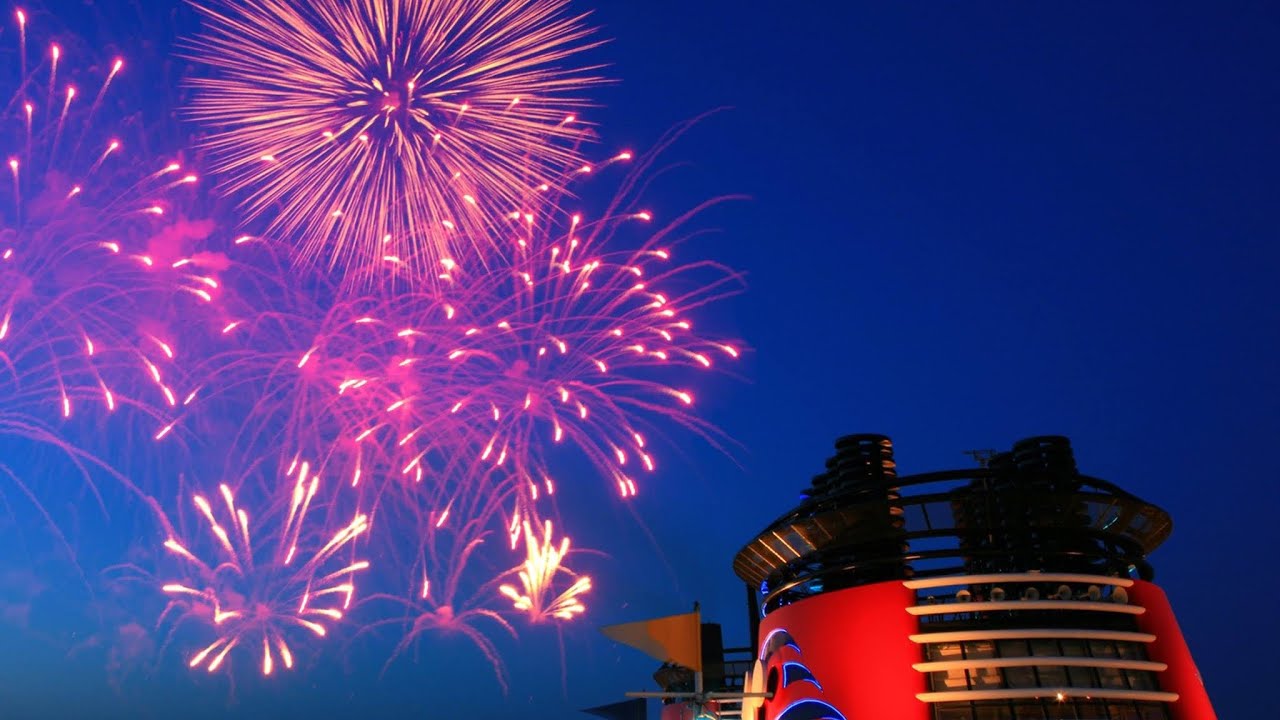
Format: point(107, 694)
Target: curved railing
point(952, 522)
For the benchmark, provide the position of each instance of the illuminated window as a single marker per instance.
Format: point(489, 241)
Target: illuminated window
point(986, 678)
point(1047, 675)
point(953, 679)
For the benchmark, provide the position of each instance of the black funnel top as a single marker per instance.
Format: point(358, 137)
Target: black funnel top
point(860, 461)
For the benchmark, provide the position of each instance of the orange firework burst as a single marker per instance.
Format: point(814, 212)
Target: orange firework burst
point(257, 600)
point(543, 563)
point(390, 128)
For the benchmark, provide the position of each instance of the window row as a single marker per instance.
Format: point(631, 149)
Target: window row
point(1042, 676)
point(1036, 647)
point(1050, 710)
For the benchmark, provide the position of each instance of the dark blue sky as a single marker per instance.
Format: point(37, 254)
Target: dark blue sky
point(974, 222)
point(970, 223)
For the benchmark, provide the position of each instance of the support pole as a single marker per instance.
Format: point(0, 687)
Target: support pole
point(753, 620)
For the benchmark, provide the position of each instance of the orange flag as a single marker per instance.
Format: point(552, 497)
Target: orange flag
point(673, 639)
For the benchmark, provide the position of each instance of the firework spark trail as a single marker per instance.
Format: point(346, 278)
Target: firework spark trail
point(254, 597)
point(453, 398)
point(576, 341)
point(537, 596)
point(397, 130)
point(303, 366)
point(452, 591)
point(90, 274)
point(72, 273)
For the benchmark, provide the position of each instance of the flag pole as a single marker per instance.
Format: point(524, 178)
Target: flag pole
point(697, 676)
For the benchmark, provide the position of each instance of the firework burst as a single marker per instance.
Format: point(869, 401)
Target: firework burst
point(381, 129)
point(92, 276)
point(537, 596)
point(578, 340)
point(79, 281)
point(446, 597)
point(256, 598)
point(300, 365)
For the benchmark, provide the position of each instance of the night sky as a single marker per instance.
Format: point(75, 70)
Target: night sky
point(968, 223)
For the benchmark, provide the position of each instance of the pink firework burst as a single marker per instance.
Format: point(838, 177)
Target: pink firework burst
point(540, 596)
point(453, 589)
point(304, 366)
point(91, 279)
point(582, 339)
point(78, 287)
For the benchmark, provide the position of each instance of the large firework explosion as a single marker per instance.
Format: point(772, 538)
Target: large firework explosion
point(427, 140)
point(584, 338)
point(390, 128)
point(451, 399)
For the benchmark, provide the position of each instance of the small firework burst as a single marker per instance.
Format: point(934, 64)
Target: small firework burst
point(452, 589)
point(257, 598)
point(538, 596)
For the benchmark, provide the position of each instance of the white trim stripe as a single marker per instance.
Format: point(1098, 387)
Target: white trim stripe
point(954, 580)
point(1048, 694)
point(1073, 661)
point(1080, 634)
point(953, 608)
